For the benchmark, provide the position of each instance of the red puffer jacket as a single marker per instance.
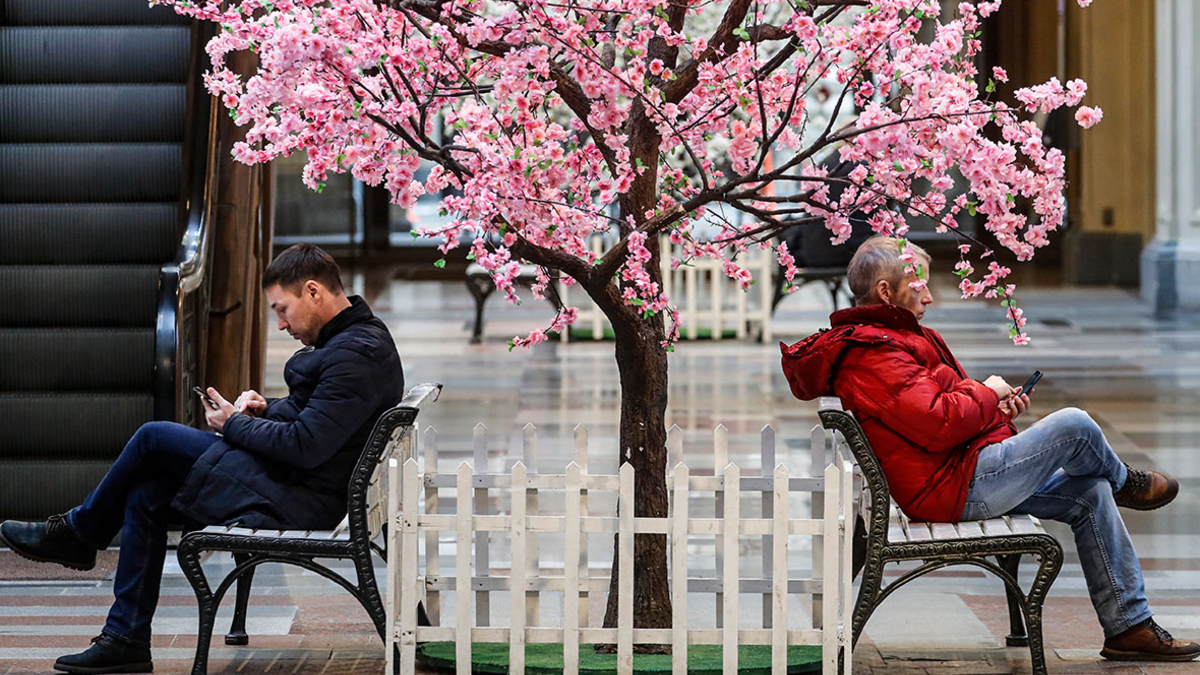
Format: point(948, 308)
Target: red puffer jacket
point(925, 419)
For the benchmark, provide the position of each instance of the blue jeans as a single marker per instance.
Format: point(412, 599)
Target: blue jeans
point(134, 499)
point(1062, 468)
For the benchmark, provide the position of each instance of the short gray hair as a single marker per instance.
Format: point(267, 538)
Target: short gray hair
point(878, 258)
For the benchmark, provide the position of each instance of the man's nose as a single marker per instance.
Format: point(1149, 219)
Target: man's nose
point(282, 323)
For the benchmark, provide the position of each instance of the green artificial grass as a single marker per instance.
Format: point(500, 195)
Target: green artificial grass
point(583, 334)
point(547, 659)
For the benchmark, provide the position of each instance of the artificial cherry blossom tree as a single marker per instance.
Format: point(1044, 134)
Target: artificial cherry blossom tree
point(561, 120)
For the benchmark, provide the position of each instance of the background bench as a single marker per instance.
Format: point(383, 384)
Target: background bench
point(481, 286)
point(889, 536)
point(360, 533)
point(834, 279)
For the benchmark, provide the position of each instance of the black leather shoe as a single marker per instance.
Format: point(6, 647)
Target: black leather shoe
point(52, 541)
point(108, 655)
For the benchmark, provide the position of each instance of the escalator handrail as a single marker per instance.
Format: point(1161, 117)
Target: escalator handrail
point(186, 273)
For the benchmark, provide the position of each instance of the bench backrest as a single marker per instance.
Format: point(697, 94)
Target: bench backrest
point(876, 498)
point(394, 432)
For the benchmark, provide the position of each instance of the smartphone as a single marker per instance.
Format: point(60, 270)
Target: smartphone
point(206, 398)
point(1031, 382)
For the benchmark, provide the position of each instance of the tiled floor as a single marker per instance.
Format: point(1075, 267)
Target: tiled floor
point(1100, 350)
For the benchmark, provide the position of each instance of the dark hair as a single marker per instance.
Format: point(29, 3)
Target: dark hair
point(300, 263)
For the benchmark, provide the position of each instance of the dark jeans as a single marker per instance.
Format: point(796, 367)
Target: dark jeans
point(134, 499)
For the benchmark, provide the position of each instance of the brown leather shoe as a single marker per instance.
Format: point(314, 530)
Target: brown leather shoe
point(1147, 641)
point(1146, 490)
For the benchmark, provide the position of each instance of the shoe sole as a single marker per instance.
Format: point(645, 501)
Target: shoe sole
point(29, 556)
point(145, 667)
point(1153, 507)
point(1115, 655)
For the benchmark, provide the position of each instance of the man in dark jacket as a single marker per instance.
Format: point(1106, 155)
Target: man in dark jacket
point(950, 451)
point(278, 464)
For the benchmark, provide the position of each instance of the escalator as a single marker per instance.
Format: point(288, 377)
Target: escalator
point(104, 154)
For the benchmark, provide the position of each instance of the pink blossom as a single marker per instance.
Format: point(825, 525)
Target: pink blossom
point(1075, 90)
point(556, 156)
point(1088, 117)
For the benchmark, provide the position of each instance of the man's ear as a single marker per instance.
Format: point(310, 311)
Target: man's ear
point(883, 291)
point(312, 289)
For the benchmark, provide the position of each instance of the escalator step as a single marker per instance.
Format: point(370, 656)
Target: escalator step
point(94, 54)
point(91, 172)
point(87, 13)
point(36, 489)
point(81, 113)
point(112, 234)
point(97, 296)
point(75, 425)
point(76, 359)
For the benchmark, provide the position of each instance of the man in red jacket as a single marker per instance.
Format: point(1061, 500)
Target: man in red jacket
point(950, 452)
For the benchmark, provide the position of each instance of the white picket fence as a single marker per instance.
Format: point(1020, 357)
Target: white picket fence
point(416, 573)
point(700, 290)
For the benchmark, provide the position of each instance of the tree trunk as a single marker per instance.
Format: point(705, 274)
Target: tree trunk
point(642, 363)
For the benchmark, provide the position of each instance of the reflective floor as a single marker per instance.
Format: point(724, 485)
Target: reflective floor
point(1101, 350)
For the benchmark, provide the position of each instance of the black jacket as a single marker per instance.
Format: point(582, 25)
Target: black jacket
point(290, 467)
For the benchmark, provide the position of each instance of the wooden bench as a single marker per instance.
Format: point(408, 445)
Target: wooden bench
point(889, 536)
point(360, 533)
point(481, 286)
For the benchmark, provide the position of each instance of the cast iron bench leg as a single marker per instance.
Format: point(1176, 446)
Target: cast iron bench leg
point(480, 289)
point(237, 629)
point(1016, 622)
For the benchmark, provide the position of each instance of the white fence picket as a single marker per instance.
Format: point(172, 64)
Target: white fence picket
point(845, 576)
point(533, 610)
point(516, 576)
point(410, 586)
point(581, 460)
point(679, 575)
point(829, 617)
point(571, 571)
point(767, 450)
point(462, 562)
point(393, 560)
point(729, 542)
point(720, 460)
point(433, 566)
point(779, 598)
point(674, 445)
point(483, 566)
point(625, 512)
point(817, 466)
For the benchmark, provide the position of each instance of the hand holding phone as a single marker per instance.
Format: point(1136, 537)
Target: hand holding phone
point(1031, 382)
point(206, 398)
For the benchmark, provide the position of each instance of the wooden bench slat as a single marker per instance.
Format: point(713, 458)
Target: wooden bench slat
point(919, 532)
point(1025, 525)
point(943, 531)
point(996, 527)
point(970, 530)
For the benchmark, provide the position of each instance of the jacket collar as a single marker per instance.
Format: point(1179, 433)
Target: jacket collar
point(358, 311)
point(882, 316)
